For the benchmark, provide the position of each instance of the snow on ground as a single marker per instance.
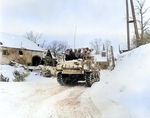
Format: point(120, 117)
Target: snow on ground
point(27, 99)
point(41, 97)
point(7, 71)
point(45, 98)
point(125, 91)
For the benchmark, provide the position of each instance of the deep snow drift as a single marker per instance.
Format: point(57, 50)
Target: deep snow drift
point(7, 71)
point(127, 85)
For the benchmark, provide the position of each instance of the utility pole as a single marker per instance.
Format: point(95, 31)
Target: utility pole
point(132, 21)
point(135, 23)
point(113, 60)
point(128, 34)
point(75, 36)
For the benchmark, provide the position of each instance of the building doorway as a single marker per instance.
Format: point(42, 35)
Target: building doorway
point(36, 60)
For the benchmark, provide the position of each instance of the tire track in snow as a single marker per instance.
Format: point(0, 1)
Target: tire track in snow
point(52, 101)
point(77, 104)
point(36, 101)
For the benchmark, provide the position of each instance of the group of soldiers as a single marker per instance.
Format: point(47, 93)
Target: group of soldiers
point(76, 54)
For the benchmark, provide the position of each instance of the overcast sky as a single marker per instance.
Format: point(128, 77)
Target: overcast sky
point(56, 19)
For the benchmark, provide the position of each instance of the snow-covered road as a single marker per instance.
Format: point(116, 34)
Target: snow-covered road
point(46, 99)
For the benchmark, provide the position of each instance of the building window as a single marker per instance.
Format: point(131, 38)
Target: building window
point(103, 54)
point(20, 53)
point(4, 52)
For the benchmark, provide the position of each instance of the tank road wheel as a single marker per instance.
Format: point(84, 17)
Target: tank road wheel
point(95, 76)
point(66, 80)
point(74, 82)
point(89, 79)
point(60, 79)
point(98, 76)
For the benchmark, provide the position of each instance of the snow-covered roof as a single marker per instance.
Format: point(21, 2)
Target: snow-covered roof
point(16, 41)
point(99, 58)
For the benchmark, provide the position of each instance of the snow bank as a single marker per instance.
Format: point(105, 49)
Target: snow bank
point(7, 71)
point(127, 87)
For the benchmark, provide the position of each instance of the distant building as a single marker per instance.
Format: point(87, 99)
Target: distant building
point(102, 60)
point(19, 49)
point(49, 60)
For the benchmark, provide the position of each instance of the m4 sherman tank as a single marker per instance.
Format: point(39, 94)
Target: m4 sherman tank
point(72, 71)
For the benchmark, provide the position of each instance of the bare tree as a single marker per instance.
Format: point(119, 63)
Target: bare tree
point(33, 37)
point(57, 47)
point(107, 44)
point(134, 42)
point(143, 24)
point(147, 36)
point(64, 46)
point(96, 44)
point(43, 44)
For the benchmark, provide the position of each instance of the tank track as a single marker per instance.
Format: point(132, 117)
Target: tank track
point(90, 78)
point(60, 79)
point(98, 76)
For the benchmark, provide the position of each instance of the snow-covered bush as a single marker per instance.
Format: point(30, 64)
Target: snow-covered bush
point(19, 76)
point(4, 79)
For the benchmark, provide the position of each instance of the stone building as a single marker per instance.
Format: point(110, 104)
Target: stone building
point(19, 49)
